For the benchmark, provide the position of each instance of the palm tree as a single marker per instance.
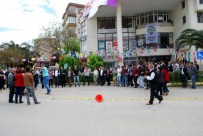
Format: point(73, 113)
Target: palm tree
point(13, 53)
point(190, 37)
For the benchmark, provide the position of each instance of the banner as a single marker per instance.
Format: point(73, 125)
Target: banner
point(109, 46)
point(151, 33)
point(92, 7)
point(125, 46)
point(101, 45)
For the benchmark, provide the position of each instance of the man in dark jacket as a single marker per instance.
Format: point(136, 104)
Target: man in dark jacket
point(152, 78)
point(11, 85)
point(184, 75)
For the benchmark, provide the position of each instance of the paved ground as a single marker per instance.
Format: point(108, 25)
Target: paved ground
point(74, 112)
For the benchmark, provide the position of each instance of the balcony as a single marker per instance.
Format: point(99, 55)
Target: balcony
point(163, 24)
point(199, 6)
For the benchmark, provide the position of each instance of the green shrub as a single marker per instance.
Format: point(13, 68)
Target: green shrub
point(175, 77)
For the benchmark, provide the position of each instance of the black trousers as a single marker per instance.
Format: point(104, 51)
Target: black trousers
point(86, 79)
point(50, 83)
point(154, 93)
point(184, 80)
point(130, 81)
point(160, 88)
point(108, 79)
point(135, 81)
point(19, 92)
point(11, 92)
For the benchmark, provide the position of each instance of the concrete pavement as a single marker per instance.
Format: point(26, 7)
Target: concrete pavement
point(74, 112)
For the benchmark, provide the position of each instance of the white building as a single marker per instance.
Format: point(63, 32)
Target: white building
point(121, 31)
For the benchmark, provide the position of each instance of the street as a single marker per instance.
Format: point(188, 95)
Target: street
point(74, 112)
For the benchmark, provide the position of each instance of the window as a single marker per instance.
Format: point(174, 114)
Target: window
point(200, 1)
point(183, 4)
point(200, 17)
point(184, 19)
point(83, 29)
point(106, 23)
point(153, 17)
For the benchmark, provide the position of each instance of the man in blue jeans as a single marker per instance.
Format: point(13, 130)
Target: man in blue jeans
point(193, 74)
point(46, 77)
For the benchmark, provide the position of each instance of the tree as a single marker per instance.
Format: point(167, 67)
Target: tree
point(73, 45)
point(190, 37)
point(54, 34)
point(69, 60)
point(13, 53)
point(94, 61)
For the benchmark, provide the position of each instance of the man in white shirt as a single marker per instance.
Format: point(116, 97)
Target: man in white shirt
point(119, 70)
point(153, 85)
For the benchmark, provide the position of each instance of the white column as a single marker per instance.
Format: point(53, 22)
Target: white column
point(119, 31)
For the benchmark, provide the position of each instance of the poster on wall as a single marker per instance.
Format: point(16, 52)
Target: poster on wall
point(151, 33)
point(109, 46)
point(101, 46)
point(132, 44)
point(115, 45)
point(125, 46)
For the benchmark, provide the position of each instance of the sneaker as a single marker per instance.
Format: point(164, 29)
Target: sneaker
point(28, 103)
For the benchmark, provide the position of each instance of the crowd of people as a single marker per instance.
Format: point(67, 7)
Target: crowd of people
point(24, 80)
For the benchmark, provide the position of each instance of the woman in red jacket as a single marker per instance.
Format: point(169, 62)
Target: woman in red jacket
point(166, 75)
point(19, 84)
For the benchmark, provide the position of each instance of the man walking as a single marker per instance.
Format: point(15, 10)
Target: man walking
point(46, 77)
point(153, 85)
point(29, 86)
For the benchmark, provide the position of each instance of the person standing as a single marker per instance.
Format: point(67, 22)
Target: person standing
point(184, 75)
point(108, 76)
point(166, 75)
point(119, 70)
point(193, 74)
point(19, 84)
point(101, 76)
point(62, 77)
point(130, 75)
point(95, 74)
point(76, 75)
point(141, 76)
point(36, 78)
point(86, 74)
point(11, 85)
point(153, 85)
point(51, 78)
point(114, 73)
point(1, 79)
point(136, 75)
point(56, 77)
point(29, 86)
point(69, 75)
point(160, 80)
point(46, 77)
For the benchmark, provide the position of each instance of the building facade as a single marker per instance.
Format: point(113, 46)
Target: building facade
point(45, 48)
point(71, 19)
point(136, 29)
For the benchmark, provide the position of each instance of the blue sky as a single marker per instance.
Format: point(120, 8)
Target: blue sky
point(21, 20)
